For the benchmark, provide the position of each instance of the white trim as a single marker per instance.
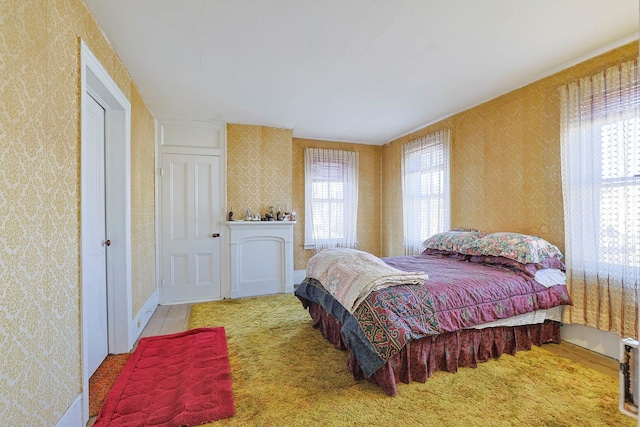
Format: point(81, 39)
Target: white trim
point(95, 79)
point(221, 151)
point(156, 127)
point(602, 342)
point(225, 250)
point(144, 315)
point(244, 270)
point(73, 415)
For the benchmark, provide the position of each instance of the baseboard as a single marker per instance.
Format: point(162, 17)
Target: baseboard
point(73, 415)
point(602, 342)
point(191, 301)
point(142, 317)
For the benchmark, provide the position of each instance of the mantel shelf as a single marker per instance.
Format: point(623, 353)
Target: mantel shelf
point(259, 223)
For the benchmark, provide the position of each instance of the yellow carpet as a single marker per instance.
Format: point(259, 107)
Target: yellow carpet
point(285, 374)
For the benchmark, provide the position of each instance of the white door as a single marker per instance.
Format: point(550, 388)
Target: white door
point(94, 254)
point(190, 227)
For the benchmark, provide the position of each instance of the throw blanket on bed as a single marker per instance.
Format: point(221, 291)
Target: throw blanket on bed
point(350, 275)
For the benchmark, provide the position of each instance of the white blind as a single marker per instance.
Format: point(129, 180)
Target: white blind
point(425, 189)
point(331, 198)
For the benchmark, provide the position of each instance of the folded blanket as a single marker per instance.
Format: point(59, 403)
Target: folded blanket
point(350, 275)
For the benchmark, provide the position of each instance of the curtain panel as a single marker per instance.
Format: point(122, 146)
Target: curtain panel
point(425, 189)
point(331, 198)
point(600, 146)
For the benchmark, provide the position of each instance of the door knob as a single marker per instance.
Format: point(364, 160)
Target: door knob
point(107, 242)
point(215, 235)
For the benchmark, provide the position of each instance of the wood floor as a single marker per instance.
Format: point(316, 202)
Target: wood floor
point(169, 319)
point(588, 358)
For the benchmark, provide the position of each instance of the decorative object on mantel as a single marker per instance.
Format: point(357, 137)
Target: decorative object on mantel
point(231, 215)
point(270, 214)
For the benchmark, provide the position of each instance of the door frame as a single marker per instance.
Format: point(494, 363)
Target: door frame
point(215, 148)
point(94, 79)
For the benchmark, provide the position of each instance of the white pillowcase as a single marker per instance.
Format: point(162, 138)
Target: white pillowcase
point(548, 277)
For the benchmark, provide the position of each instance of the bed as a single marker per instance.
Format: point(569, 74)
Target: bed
point(467, 298)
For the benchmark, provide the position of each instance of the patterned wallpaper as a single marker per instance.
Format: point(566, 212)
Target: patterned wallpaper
point(265, 166)
point(39, 188)
point(143, 219)
point(40, 373)
point(505, 168)
point(505, 161)
point(258, 168)
point(368, 196)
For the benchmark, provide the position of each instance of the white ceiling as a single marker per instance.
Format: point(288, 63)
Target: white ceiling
point(363, 71)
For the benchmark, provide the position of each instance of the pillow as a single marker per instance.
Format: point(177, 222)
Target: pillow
point(469, 229)
point(445, 254)
point(513, 265)
point(520, 247)
point(451, 241)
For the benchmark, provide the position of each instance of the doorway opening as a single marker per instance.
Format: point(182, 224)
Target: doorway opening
point(95, 82)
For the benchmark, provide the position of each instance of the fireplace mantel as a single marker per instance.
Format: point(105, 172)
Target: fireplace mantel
point(261, 257)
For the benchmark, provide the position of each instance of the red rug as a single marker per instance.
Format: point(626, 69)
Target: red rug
point(181, 379)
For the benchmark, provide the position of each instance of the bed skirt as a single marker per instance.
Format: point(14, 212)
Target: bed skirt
point(419, 359)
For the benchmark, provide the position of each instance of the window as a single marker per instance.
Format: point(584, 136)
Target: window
point(619, 210)
point(425, 189)
point(600, 141)
point(331, 198)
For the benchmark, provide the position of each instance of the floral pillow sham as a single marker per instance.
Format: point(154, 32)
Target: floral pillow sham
point(513, 265)
point(522, 248)
point(453, 240)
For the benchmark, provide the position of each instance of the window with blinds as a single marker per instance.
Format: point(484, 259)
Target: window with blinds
point(600, 146)
point(602, 163)
point(619, 192)
point(331, 198)
point(425, 189)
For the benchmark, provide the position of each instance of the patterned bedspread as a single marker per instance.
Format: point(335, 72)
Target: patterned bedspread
point(458, 295)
